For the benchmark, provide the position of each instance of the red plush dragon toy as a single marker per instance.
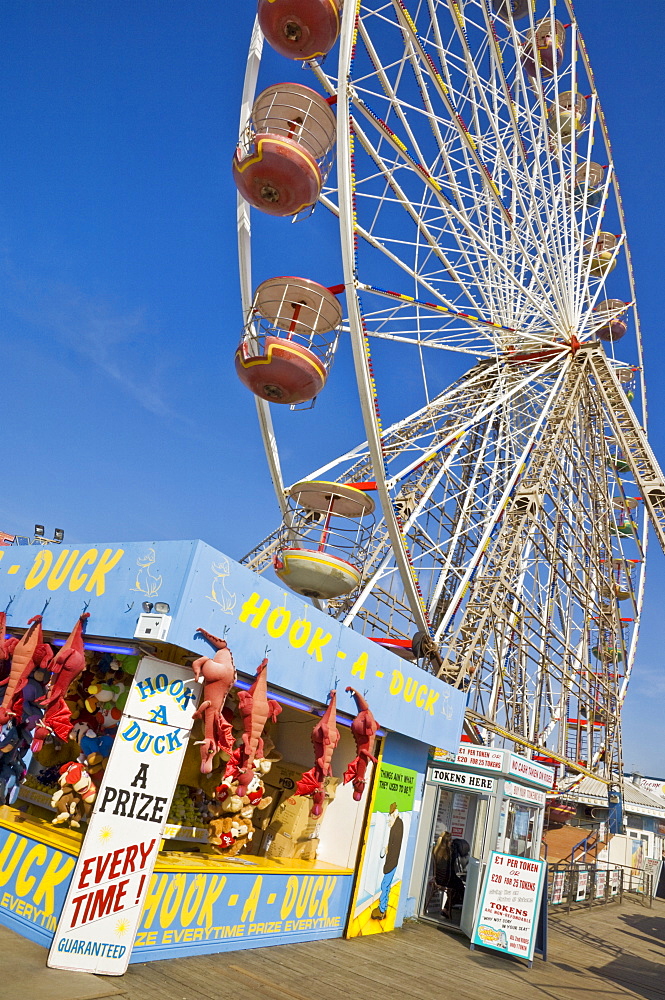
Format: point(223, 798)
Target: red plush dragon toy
point(255, 709)
point(218, 675)
point(29, 652)
point(8, 644)
point(363, 729)
point(325, 737)
point(67, 665)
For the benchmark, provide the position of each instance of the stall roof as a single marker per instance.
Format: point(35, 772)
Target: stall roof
point(309, 653)
point(636, 800)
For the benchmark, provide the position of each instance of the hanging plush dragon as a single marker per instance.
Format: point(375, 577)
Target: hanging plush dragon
point(325, 737)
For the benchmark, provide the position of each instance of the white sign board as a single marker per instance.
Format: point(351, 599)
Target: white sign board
point(507, 917)
point(653, 785)
point(601, 882)
point(524, 794)
point(615, 879)
point(461, 779)
point(104, 903)
point(558, 885)
point(480, 757)
point(582, 886)
point(531, 771)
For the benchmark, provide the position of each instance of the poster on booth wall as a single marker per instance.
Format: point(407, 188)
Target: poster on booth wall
point(507, 917)
point(103, 906)
point(637, 855)
point(380, 882)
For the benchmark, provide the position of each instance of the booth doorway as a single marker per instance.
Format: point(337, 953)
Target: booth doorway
point(463, 816)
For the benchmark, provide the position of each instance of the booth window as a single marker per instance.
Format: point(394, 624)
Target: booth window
point(517, 829)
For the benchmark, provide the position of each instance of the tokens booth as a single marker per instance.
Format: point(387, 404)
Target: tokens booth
point(494, 800)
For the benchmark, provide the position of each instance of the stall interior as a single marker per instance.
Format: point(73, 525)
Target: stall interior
point(284, 808)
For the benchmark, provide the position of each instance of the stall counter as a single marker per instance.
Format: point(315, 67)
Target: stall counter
point(196, 903)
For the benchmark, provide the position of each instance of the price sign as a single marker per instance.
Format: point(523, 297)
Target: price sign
point(557, 888)
point(601, 882)
point(508, 912)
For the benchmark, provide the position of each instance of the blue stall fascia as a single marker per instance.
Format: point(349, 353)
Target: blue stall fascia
point(34, 878)
point(185, 913)
point(309, 652)
point(200, 914)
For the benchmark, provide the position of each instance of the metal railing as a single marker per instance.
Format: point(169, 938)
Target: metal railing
point(585, 846)
point(638, 882)
point(580, 884)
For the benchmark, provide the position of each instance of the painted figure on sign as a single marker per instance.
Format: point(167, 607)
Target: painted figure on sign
point(392, 852)
point(219, 592)
point(147, 583)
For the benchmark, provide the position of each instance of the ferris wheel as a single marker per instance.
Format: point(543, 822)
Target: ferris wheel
point(460, 151)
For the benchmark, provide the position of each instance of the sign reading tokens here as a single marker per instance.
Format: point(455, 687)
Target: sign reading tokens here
point(460, 779)
point(103, 907)
point(509, 907)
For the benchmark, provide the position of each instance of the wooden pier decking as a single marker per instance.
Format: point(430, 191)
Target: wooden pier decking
point(614, 951)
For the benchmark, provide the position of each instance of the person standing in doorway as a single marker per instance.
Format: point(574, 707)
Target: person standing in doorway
point(392, 853)
point(451, 858)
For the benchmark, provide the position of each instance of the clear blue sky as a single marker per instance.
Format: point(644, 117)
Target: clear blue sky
point(118, 279)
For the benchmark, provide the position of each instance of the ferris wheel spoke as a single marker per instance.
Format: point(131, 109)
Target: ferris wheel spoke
point(468, 228)
point(544, 586)
point(404, 202)
point(555, 413)
point(455, 118)
point(503, 157)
